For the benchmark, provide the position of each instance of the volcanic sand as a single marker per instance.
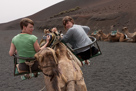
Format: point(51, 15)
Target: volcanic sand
point(114, 70)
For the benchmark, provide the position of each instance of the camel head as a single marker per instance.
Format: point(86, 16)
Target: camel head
point(46, 56)
point(124, 29)
point(48, 63)
point(100, 32)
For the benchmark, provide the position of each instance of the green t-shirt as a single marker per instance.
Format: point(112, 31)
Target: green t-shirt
point(24, 44)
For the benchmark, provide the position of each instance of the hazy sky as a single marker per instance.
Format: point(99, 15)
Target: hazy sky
point(14, 9)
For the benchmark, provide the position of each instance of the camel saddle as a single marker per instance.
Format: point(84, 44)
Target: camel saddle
point(113, 33)
point(43, 40)
point(95, 32)
point(29, 61)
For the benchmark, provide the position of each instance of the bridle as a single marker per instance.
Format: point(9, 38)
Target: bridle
point(51, 76)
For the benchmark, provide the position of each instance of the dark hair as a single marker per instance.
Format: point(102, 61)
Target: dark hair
point(25, 22)
point(66, 19)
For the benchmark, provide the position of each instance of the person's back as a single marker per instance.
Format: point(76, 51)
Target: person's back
point(78, 37)
point(24, 45)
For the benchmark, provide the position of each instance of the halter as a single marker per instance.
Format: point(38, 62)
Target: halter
point(51, 76)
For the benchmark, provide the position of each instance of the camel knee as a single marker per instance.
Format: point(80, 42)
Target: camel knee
point(81, 87)
point(70, 86)
point(121, 40)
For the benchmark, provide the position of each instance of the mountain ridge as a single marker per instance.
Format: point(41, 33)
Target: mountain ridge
point(97, 14)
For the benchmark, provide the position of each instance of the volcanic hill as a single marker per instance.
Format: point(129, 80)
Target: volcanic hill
point(97, 14)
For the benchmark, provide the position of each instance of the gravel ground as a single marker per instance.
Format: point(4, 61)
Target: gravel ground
point(114, 70)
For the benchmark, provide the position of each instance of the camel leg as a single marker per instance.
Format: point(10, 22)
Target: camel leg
point(134, 38)
point(71, 86)
point(122, 38)
point(81, 86)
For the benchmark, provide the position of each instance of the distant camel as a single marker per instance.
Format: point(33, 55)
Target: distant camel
point(117, 37)
point(103, 36)
point(132, 36)
point(96, 35)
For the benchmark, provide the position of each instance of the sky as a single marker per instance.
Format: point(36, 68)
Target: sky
point(15, 9)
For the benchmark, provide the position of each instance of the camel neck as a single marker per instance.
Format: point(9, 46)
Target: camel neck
point(63, 57)
point(103, 34)
point(128, 34)
point(126, 31)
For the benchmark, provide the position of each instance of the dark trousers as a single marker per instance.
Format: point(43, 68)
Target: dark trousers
point(24, 67)
point(84, 55)
point(88, 53)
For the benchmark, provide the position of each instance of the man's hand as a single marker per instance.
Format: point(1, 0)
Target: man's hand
point(54, 29)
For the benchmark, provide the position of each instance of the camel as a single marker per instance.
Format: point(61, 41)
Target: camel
point(96, 35)
point(61, 73)
point(132, 36)
point(104, 37)
point(117, 37)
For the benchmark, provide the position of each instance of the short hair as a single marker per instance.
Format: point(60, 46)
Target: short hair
point(66, 19)
point(25, 22)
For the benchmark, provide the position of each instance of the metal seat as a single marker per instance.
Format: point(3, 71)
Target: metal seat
point(94, 43)
point(29, 62)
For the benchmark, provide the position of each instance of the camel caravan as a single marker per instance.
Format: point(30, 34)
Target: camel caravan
point(115, 36)
point(59, 63)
